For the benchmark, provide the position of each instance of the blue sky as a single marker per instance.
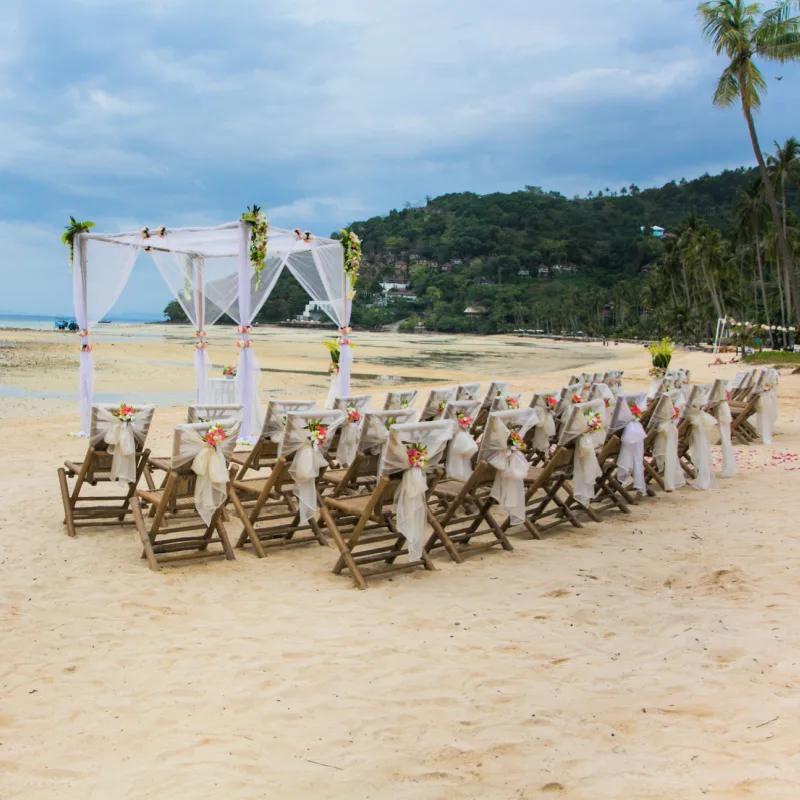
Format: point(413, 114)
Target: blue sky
point(177, 112)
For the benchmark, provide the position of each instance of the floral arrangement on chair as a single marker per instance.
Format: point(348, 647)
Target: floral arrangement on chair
point(441, 407)
point(464, 420)
point(512, 403)
point(124, 413)
point(351, 245)
point(404, 402)
point(259, 239)
point(353, 415)
point(417, 455)
point(552, 402)
point(229, 371)
point(636, 412)
point(676, 412)
point(215, 435)
point(594, 421)
point(318, 431)
point(515, 441)
point(576, 398)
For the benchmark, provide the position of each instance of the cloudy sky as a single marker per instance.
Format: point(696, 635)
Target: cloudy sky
point(176, 112)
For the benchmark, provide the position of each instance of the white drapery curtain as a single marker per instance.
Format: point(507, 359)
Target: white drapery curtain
point(94, 292)
point(318, 266)
point(187, 275)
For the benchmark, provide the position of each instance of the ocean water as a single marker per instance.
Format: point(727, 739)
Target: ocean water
point(45, 322)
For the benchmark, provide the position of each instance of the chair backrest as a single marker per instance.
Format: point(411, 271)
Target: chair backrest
point(275, 419)
point(200, 412)
point(573, 379)
point(433, 436)
point(664, 409)
point(496, 389)
point(698, 395)
point(539, 399)
point(717, 393)
point(577, 422)
point(400, 400)
point(601, 391)
point(331, 419)
point(143, 416)
point(622, 413)
point(468, 391)
point(739, 379)
point(359, 402)
point(501, 403)
point(456, 407)
point(185, 445)
point(566, 400)
point(436, 402)
point(375, 428)
point(500, 423)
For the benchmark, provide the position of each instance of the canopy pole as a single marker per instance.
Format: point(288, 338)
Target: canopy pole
point(345, 352)
point(81, 306)
point(201, 359)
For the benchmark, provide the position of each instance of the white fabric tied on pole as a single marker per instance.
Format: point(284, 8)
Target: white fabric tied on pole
point(410, 503)
point(545, 428)
point(509, 462)
point(94, 292)
point(702, 424)
point(121, 438)
point(208, 462)
point(309, 455)
point(333, 390)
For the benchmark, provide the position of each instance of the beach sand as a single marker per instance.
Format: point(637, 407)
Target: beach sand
point(650, 656)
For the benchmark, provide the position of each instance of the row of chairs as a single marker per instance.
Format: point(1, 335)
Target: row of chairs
point(391, 490)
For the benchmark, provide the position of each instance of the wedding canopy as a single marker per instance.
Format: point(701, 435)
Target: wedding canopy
point(211, 272)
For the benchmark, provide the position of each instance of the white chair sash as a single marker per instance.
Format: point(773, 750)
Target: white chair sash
point(121, 438)
point(631, 455)
point(333, 391)
point(510, 464)
point(410, 500)
point(459, 455)
point(348, 443)
point(701, 425)
point(766, 414)
point(209, 465)
point(724, 418)
point(545, 430)
point(586, 469)
point(665, 452)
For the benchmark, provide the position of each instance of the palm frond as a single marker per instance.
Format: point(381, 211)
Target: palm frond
point(727, 92)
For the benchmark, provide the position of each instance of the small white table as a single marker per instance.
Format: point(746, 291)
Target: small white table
point(221, 391)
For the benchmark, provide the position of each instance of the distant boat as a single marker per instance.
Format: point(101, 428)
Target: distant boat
point(104, 322)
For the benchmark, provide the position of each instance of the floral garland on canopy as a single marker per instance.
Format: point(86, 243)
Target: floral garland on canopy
point(332, 346)
point(259, 239)
point(351, 245)
point(71, 231)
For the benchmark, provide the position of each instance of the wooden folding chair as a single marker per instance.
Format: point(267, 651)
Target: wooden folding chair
point(362, 474)
point(365, 528)
point(265, 451)
point(275, 509)
point(469, 391)
point(436, 403)
point(667, 412)
point(400, 401)
point(196, 528)
point(496, 390)
point(82, 510)
point(612, 491)
point(462, 518)
point(745, 408)
point(196, 412)
point(542, 436)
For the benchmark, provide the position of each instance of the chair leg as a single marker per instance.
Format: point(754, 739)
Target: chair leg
point(346, 558)
point(248, 531)
point(68, 518)
point(138, 519)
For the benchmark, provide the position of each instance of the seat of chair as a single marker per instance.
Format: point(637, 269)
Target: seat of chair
point(71, 466)
point(333, 475)
point(448, 488)
point(534, 473)
point(350, 505)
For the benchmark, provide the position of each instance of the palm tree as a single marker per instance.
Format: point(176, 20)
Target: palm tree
point(743, 32)
point(784, 167)
point(751, 219)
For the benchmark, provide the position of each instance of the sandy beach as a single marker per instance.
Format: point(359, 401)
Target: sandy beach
point(653, 656)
